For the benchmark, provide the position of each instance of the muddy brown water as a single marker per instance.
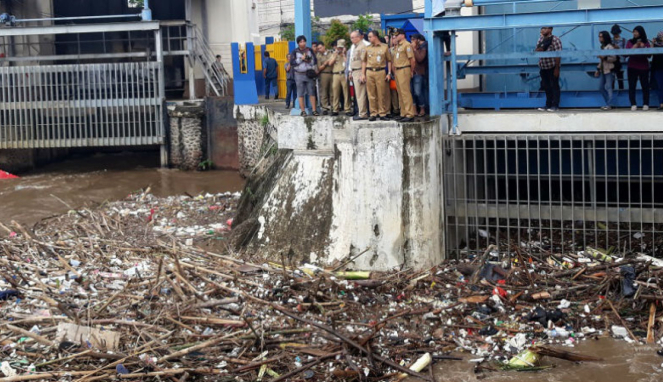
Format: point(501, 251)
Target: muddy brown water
point(622, 362)
point(94, 179)
point(106, 177)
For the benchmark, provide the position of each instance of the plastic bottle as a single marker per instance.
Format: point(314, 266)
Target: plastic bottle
point(598, 255)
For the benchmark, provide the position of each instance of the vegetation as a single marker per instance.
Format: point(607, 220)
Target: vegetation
point(337, 31)
point(205, 165)
point(287, 32)
point(264, 121)
point(363, 23)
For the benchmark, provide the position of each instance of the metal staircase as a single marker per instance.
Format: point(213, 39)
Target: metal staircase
point(216, 76)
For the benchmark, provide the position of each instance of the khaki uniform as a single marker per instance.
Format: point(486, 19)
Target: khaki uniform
point(360, 89)
point(403, 73)
point(325, 80)
point(377, 58)
point(395, 107)
point(339, 84)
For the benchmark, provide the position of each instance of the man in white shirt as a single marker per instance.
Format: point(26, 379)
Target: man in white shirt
point(352, 49)
point(354, 74)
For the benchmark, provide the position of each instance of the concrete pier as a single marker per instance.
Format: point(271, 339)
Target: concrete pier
point(348, 187)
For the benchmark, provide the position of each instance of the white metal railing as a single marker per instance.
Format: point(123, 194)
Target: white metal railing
point(83, 105)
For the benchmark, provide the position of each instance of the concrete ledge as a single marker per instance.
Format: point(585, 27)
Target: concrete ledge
point(564, 121)
point(351, 186)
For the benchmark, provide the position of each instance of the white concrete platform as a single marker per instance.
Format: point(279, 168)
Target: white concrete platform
point(563, 121)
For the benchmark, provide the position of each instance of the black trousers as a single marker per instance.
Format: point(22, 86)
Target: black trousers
point(620, 79)
point(551, 86)
point(633, 76)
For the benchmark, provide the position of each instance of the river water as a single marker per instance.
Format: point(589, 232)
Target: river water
point(622, 362)
point(73, 183)
point(90, 180)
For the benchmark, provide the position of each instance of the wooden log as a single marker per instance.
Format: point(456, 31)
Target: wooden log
point(652, 321)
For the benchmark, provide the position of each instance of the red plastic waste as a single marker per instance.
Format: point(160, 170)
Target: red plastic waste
point(6, 175)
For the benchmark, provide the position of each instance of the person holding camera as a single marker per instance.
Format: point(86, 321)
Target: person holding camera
point(325, 77)
point(638, 68)
point(549, 68)
point(304, 63)
point(339, 82)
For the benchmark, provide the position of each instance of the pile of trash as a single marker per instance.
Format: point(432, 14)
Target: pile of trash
point(130, 291)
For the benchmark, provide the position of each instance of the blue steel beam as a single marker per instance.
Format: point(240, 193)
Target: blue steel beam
point(519, 69)
point(537, 19)
point(436, 92)
point(481, 3)
point(587, 55)
point(397, 21)
point(532, 100)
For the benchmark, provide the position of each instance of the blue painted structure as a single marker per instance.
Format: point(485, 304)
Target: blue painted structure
point(411, 23)
point(502, 25)
point(244, 84)
point(511, 60)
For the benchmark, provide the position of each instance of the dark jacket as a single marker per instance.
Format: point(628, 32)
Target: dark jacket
point(421, 59)
point(299, 64)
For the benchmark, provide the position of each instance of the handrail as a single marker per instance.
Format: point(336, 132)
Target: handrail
point(204, 51)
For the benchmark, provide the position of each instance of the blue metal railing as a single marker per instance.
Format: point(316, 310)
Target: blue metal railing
point(518, 62)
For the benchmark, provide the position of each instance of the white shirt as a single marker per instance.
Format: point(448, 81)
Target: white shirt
point(347, 63)
point(438, 7)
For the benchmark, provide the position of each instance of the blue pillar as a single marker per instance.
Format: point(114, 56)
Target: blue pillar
point(244, 83)
point(302, 27)
point(454, 84)
point(435, 65)
point(303, 19)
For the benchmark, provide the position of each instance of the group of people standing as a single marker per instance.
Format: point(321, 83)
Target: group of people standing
point(375, 78)
point(610, 69)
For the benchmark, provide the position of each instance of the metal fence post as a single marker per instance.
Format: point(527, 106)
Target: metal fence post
point(161, 97)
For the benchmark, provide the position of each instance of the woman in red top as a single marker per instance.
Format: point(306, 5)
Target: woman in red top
point(638, 68)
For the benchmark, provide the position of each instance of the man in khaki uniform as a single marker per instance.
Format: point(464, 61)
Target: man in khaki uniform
point(395, 107)
point(339, 82)
point(376, 58)
point(356, 74)
point(404, 68)
point(325, 77)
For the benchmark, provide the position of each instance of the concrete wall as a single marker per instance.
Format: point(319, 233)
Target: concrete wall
point(201, 131)
point(22, 160)
point(572, 121)
point(40, 45)
point(349, 187)
point(222, 145)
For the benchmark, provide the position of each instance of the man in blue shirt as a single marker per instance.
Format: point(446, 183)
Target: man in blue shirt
point(269, 67)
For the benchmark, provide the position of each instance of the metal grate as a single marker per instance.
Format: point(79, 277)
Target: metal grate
point(80, 105)
point(556, 193)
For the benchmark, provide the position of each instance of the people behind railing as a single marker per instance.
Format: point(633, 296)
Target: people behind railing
point(549, 68)
point(657, 68)
point(388, 78)
point(638, 68)
point(606, 70)
point(619, 43)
